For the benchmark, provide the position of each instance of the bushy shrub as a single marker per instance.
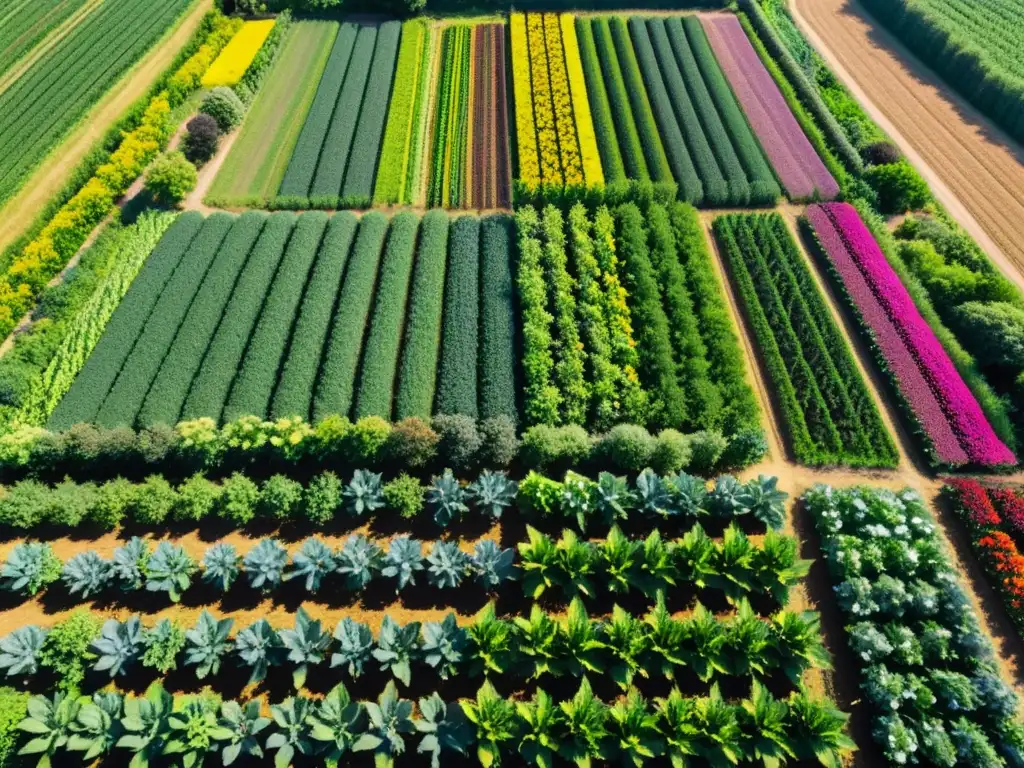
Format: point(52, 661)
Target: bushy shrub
point(170, 178)
point(459, 440)
point(200, 143)
point(881, 153)
point(706, 449)
point(113, 499)
point(323, 497)
point(280, 498)
point(996, 331)
point(628, 447)
point(239, 497)
point(671, 452)
point(224, 106)
point(365, 440)
point(153, 501)
point(748, 446)
point(66, 649)
point(197, 498)
point(900, 188)
point(13, 708)
point(499, 443)
point(546, 446)
point(404, 495)
point(412, 443)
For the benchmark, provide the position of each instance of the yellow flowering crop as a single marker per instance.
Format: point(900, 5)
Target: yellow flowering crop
point(543, 108)
point(592, 170)
point(526, 133)
point(238, 54)
point(565, 122)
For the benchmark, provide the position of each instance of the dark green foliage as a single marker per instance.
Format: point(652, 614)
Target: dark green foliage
point(651, 327)
point(900, 188)
point(881, 153)
point(66, 650)
point(208, 392)
point(337, 147)
point(706, 448)
point(412, 442)
point(13, 708)
point(457, 379)
point(704, 401)
point(153, 501)
point(302, 165)
point(254, 383)
point(600, 108)
point(498, 319)
point(672, 452)
point(224, 106)
point(996, 330)
point(238, 499)
point(280, 498)
point(298, 376)
point(129, 391)
point(618, 96)
point(362, 162)
point(83, 400)
point(322, 498)
point(459, 440)
point(336, 385)
point(746, 447)
point(404, 495)
point(499, 442)
point(727, 366)
point(546, 446)
point(196, 500)
point(170, 387)
point(764, 188)
point(418, 371)
point(628, 446)
point(646, 127)
point(383, 341)
point(672, 124)
point(200, 143)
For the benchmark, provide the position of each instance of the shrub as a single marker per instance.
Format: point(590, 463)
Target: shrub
point(881, 153)
point(66, 650)
point(748, 446)
point(499, 443)
point(200, 143)
point(239, 496)
point(197, 498)
point(323, 498)
point(365, 440)
point(112, 501)
point(13, 708)
point(154, 501)
point(404, 495)
point(996, 331)
point(412, 443)
point(224, 106)
point(900, 188)
point(280, 498)
point(459, 440)
point(671, 452)
point(627, 446)
point(170, 178)
point(545, 445)
point(706, 449)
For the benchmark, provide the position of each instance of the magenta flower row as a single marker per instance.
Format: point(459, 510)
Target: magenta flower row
point(929, 382)
point(796, 163)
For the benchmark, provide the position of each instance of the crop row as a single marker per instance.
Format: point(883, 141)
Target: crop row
point(534, 731)
point(936, 399)
point(574, 567)
point(928, 673)
point(25, 24)
point(830, 416)
point(742, 645)
point(257, 315)
point(489, 184)
point(451, 118)
point(38, 108)
point(799, 168)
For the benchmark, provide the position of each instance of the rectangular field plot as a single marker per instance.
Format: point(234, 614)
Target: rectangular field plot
point(825, 405)
point(24, 23)
point(253, 170)
point(309, 315)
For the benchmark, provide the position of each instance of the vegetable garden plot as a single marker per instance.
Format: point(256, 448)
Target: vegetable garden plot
point(828, 413)
point(49, 98)
point(490, 172)
point(24, 24)
point(448, 159)
point(798, 167)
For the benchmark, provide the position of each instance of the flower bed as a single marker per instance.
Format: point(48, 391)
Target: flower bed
point(237, 55)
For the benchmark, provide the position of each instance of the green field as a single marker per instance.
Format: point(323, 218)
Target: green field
point(257, 161)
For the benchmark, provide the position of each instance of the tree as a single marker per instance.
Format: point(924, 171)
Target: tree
point(201, 140)
point(170, 178)
point(224, 106)
point(900, 188)
point(996, 331)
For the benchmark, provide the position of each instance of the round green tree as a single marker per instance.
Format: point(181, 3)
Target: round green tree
point(170, 178)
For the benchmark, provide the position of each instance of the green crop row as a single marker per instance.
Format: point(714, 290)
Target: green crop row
point(128, 392)
point(336, 386)
point(622, 112)
point(451, 122)
point(298, 176)
point(361, 168)
point(395, 156)
point(253, 386)
point(828, 412)
point(497, 320)
point(24, 24)
point(417, 376)
point(169, 388)
point(442, 113)
point(383, 342)
point(457, 378)
point(600, 107)
point(299, 371)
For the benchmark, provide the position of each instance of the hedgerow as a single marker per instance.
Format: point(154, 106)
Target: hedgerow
point(336, 384)
point(689, 33)
point(417, 374)
point(384, 338)
point(223, 357)
point(668, 406)
point(361, 169)
point(100, 367)
point(497, 319)
point(298, 375)
point(703, 398)
point(457, 377)
point(338, 141)
point(541, 399)
point(728, 369)
point(254, 383)
point(298, 177)
point(170, 387)
point(129, 390)
point(646, 127)
point(691, 185)
point(625, 126)
point(601, 110)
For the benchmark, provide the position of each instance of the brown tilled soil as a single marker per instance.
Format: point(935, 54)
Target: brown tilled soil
point(481, 130)
point(974, 168)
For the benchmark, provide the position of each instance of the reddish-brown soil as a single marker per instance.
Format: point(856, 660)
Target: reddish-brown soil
point(481, 130)
point(502, 153)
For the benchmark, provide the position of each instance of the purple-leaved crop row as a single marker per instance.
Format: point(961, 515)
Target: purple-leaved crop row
point(941, 402)
point(796, 163)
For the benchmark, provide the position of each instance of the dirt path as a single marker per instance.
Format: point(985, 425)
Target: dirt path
point(975, 170)
point(21, 210)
